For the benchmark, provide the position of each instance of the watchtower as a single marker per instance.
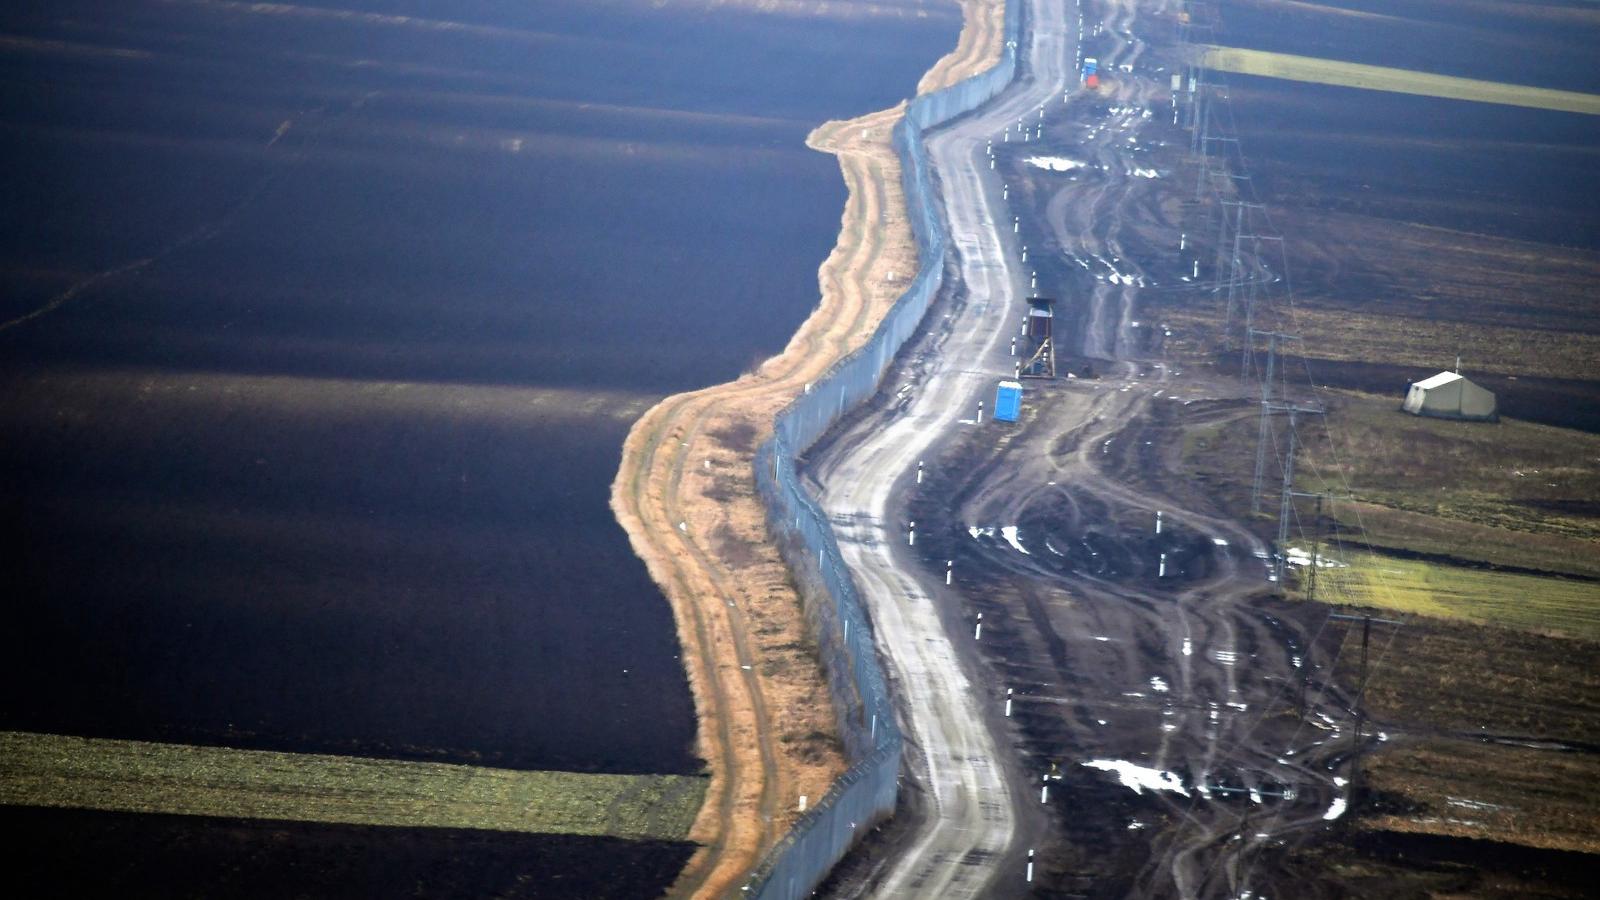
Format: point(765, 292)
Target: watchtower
point(1039, 340)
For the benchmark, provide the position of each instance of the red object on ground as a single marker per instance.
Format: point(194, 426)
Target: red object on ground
point(1092, 82)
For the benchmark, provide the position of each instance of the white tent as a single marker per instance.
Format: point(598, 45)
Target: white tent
point(1447, 395)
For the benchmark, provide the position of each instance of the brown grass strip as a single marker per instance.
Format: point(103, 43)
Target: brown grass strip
point(685, 494)
point(979, 46)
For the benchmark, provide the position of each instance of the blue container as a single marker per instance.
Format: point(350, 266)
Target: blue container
point(1007, 401)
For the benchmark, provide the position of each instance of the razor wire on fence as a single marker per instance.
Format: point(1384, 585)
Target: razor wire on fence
point(866, 793)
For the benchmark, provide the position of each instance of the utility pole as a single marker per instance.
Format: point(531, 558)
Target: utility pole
point(1285, 508)
point(1265, 429)
point(1252, 283)
point(1197, 88)
point(1257, 278)
point(1359, 713)
point(1222, 243)
point(1206, 171)
point(1200, 103)
point(1198, 108)
point(1316, 559)
point(1316, 544)
point(1222, 176)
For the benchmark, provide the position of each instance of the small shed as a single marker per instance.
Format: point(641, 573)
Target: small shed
point(1448, 395)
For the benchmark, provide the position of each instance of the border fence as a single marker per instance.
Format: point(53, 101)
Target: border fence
point(866, 793)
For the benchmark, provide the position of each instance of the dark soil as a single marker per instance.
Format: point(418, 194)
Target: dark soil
point(83, 853)
point(1389, 864)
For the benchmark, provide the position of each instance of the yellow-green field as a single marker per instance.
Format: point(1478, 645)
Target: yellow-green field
point(135, 776)
point(1529, 602)
point(1403, 81)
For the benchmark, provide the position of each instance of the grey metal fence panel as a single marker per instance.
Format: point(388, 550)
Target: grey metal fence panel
point(866, 793)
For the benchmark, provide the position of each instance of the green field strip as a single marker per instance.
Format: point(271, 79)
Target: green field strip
point(1511, 599)
point(1403, 81)
point(182, 779)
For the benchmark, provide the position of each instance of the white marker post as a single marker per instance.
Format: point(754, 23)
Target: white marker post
point(1008, 703)
point(949, 565)
point(1030, 867)
point(911, 534)
point(1005, 192)
point(980, 412)
point(1183, 239)
point(1033, 280)
point(1016, 224)
point(977, 632)
point(919, 472)
point(1197, 268)
point(1024, 252)
point(1162, 572)
point(1044, 792)
point(1158, 521)
point(1013, 346)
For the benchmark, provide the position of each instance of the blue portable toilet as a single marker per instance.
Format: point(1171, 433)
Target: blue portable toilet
point(1007, 401)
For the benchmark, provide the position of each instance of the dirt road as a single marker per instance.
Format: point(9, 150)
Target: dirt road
point(971, 828)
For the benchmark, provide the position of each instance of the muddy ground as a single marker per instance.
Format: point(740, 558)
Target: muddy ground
point(1196, 672)
point(1080, 625)
point(1410, 238)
